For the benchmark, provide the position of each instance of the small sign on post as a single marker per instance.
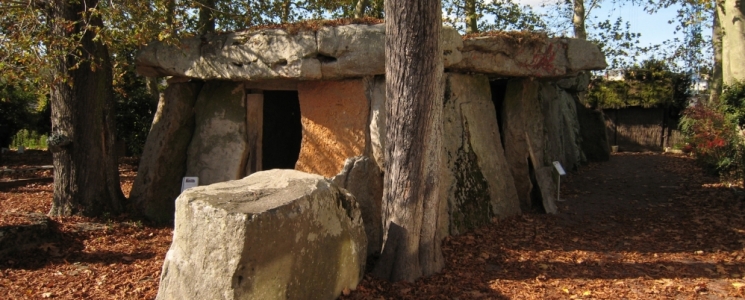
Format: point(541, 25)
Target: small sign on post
point(560, 170)
point(189, 182)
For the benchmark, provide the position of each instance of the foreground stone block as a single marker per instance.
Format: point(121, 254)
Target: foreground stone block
point(477, 178)
point(279, 234)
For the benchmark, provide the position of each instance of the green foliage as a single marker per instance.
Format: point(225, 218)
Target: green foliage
point(18, 107)
point(714, 132)
point(29, 139)
point(493, 15)
point(732, 103)
point(651, 84)
point(135, 108)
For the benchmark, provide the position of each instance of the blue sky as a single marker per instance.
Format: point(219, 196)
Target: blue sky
point(654, 28)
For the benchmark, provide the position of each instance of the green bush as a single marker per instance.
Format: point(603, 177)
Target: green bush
point(714, 132)
point(651, 84)
point(17, 109)
point(29, 140)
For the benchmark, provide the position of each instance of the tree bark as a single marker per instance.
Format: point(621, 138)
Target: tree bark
point(715, 83)
point(206, 16)
point(471, 17)
point(733, 40)
point(411, 245)
point(360, 8)
point(578, 20)
point(86, 177)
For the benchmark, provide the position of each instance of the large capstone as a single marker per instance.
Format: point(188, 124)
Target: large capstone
point(279, 234)
point(524, 55)
point(357, 50)
point(477, 180)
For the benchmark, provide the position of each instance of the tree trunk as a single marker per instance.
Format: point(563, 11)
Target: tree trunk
point(733, 40)
point(579, 20)
point(715, 82)
point(206, 16)
point(86, 177)
point(471, 17)
point(411, 245)
point(286, 8)
point(360, 8)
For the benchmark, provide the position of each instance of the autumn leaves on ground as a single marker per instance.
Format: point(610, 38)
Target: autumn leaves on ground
point(642, 226)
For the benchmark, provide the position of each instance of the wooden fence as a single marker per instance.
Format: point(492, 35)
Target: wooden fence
point(642, 129)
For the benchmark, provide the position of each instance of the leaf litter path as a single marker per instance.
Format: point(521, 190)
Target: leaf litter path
point(641, 226)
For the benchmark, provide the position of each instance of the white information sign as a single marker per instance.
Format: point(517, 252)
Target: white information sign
point(189, 182)
point(559, 168)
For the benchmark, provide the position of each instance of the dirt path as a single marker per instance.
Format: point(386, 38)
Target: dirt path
point(642, 226)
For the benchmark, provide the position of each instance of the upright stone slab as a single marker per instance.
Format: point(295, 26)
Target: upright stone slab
point(218, 149)
point(334, 118)
point(478, 183)
point(362, 177)
point(163, 161)
point(279, 234)
point(571, 137)
point(375, 90)
point(562, 127)
point(525, 142)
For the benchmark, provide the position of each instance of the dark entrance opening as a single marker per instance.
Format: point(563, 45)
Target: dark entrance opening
point(282, 131)
point(498, 91)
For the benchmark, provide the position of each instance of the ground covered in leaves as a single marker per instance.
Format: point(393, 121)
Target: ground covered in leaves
point(642, 226)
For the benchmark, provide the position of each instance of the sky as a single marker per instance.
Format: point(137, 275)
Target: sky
point(654, 28)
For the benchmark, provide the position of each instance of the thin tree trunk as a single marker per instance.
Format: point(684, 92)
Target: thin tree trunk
point(579, 20)
point(471, 17)
point(206, 16)
point(732, 19)
point(360, 8)
point(715, 83)
point(86, 177)
point(411, 245)
point(286, 6)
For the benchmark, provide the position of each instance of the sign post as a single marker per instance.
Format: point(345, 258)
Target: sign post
point(560, 170)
